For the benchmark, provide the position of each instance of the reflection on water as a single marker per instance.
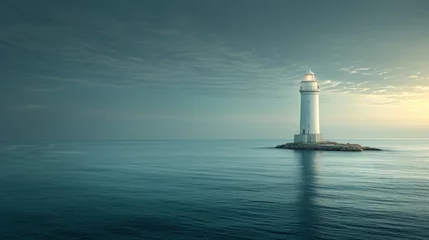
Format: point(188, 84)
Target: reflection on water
point(308, 218)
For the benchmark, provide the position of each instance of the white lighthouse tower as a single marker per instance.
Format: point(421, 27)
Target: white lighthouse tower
point(309, 131)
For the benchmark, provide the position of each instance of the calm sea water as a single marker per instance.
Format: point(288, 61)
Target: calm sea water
point(212, 189)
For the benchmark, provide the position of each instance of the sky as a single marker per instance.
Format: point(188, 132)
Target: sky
point(136, 69)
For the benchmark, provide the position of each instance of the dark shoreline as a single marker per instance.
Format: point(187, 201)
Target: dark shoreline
point(328, 146)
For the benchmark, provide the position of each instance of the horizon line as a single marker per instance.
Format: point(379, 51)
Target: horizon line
point(197, 139)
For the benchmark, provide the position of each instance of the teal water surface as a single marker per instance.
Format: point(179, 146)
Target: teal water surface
point(212, 189)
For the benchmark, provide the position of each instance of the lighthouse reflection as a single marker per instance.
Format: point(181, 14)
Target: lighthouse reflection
point(308, 219)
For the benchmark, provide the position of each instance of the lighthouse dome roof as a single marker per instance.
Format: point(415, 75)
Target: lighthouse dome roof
point(309, 71)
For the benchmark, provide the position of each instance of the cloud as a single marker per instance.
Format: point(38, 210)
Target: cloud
point(192, 61)
point(394, 76)
point(405, 93)
point(29, 107)
point(45, 89)
point(424, 88)
point(354, 70)
point(360, 84)
point(97, 49)
point(168, 32)
point(379, 91)
point(418, 77)
point(386, 103)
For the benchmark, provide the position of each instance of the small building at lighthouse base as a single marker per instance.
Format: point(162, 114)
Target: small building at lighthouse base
point(307, 138)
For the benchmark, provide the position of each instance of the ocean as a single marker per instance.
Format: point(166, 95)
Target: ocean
point(212, 189)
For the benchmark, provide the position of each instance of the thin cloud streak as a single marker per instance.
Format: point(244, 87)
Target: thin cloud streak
point(28, 107)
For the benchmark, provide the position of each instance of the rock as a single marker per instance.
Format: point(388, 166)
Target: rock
point(327, 146)
point(352, 147)
point(371, 149)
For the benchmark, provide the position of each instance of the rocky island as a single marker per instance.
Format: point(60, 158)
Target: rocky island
point(308, 137)
point(328, 146)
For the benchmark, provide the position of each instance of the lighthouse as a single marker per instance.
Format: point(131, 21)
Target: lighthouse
point(309, 131)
